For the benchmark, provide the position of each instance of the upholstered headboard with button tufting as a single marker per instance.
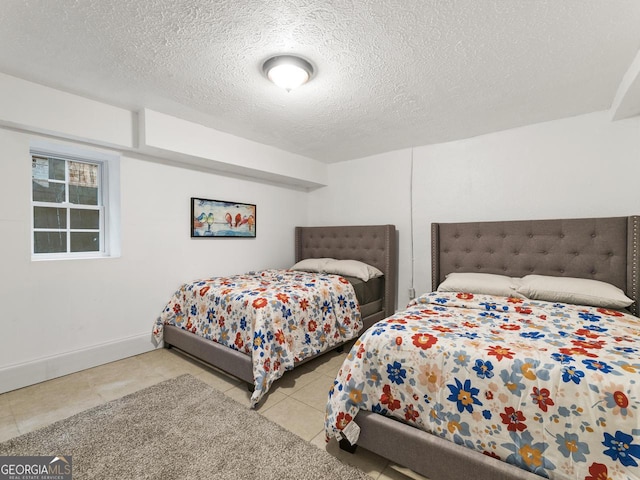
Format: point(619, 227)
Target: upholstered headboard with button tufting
point(372, 244)
point(604, 249)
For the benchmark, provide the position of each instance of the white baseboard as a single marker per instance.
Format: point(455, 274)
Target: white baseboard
point(21, 375)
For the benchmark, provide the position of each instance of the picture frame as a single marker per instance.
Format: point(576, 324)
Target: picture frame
point(220, 219)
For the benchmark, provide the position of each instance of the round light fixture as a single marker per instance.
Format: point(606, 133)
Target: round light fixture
point(287, 71)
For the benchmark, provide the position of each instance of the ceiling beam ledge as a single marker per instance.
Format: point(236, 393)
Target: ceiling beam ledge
point(189, 143)
point(35, 108)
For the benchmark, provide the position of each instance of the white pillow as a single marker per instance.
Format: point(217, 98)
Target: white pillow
point(481, 283)
point(352, 268)
point(579, 291)
point(316, 265)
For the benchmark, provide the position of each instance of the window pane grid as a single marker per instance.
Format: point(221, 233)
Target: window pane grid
point(84, 179)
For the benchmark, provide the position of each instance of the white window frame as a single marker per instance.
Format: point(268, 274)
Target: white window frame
point(108, 199)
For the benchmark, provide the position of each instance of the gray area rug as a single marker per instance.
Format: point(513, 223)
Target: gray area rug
point(181, 428)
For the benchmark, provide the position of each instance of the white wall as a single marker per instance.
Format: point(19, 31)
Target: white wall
point(62, 316)
point(370, 191)
point(577, 167)
point(66, 315)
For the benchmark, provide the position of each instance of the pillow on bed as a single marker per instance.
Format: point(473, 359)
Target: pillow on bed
point(481, 283)
point(353, 268)
point(316, 265)
point(579, 291)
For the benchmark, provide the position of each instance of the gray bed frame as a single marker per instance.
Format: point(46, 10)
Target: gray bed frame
point(372, 244)
point(604, 249)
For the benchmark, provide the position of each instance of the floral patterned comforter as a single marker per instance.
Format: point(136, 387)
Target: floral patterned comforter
point(278, 317)
point(551, 388)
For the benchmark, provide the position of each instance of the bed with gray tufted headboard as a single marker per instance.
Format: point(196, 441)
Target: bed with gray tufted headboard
point(604, 249)
point(375, 245)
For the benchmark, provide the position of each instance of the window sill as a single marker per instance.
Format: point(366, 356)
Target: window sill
point(84, 256)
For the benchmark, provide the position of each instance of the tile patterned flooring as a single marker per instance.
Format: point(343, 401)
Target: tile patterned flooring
point(296, 401)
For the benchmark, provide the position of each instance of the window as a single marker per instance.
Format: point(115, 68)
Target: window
point(71, 214)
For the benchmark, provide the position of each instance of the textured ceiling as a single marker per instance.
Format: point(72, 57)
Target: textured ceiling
point(390, 74)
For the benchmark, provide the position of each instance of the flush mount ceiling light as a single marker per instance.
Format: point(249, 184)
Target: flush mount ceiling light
point(287, 71)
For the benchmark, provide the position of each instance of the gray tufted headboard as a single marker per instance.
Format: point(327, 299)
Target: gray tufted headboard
point(372, 244)
point(604, 249)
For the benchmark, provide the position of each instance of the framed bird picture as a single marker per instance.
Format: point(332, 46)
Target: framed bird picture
point(217, 218)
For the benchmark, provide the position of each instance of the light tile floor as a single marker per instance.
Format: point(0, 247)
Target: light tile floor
point(296, 401)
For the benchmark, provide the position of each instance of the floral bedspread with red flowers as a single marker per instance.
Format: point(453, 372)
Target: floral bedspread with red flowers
point(551, 388)
point(278, 317)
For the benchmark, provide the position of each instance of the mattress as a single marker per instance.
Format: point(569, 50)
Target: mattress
point(369, 291)
point(369, 294)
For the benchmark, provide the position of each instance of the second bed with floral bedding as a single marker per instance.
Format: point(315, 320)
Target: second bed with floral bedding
point(278, 317)
point(552, 388)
